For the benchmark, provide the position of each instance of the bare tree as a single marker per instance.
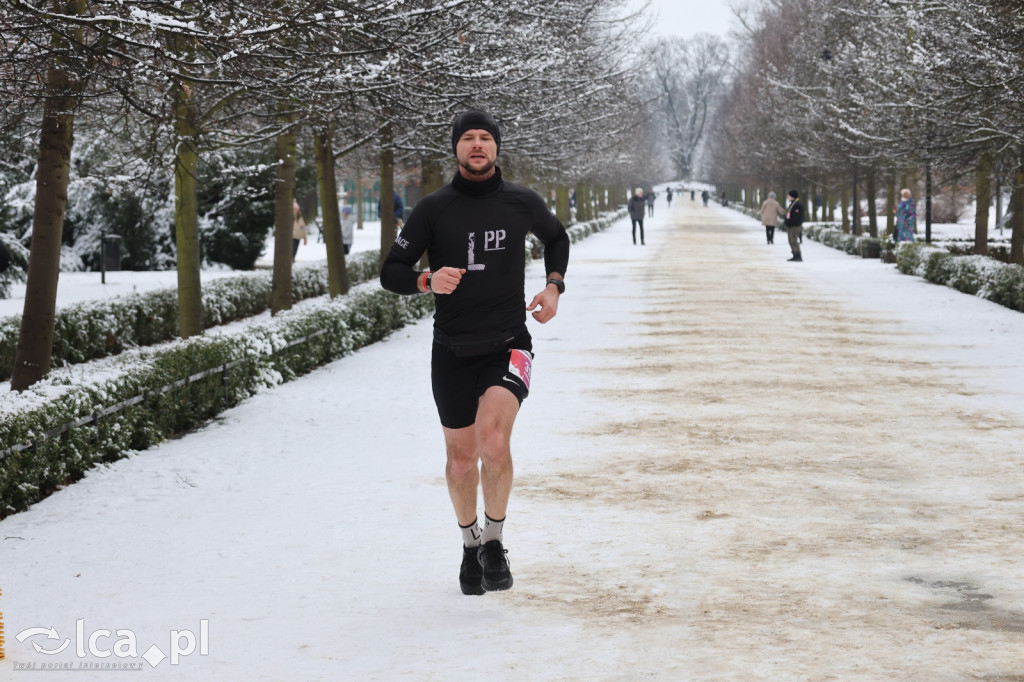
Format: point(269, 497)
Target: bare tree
point(688, 75)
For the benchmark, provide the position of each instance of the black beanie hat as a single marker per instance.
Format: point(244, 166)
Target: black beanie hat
point(793, 193)
point(475, 119)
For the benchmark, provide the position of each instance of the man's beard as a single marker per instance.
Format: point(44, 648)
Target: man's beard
point(478, 173)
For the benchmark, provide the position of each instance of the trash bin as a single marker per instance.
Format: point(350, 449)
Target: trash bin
point(112, 253)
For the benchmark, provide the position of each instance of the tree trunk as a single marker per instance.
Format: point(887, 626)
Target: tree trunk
point(844, 202)
point(284, 197)
point(432, 173)
point(909, 181)
point(387, 193)
point(186, 214)
point(35, 341)
point(431, 179)
point(337, 272)
point(890, 204)
point(1017, 217)
point(998, 191)
point(562, 203)
point(359, 198)
point(855, 205)
point(983, 198)
point(871, 195)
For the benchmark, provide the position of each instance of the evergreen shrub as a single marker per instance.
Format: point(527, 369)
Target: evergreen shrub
point(999, 282)
point(164, 392)
point(95, 329)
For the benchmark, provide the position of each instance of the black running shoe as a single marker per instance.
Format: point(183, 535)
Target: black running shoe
point(496, 573)
point(471, 572)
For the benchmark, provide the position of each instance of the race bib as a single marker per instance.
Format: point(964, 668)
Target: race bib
point(520, 364)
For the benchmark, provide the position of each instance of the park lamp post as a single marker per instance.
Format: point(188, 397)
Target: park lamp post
point(105, 239)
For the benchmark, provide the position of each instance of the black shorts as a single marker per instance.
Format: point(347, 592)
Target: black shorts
point(458, 382)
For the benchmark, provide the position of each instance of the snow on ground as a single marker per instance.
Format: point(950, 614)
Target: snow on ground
point(731, 467)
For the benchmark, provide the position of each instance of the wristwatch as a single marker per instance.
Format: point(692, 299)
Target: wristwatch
point(559, 284)
point(430, 276)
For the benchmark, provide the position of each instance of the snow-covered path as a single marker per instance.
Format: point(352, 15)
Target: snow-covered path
point(731, 467)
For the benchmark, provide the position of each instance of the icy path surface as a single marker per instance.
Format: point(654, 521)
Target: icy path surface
point(731, 467)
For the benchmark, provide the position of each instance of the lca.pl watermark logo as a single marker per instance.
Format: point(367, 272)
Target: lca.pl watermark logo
point(121, 647)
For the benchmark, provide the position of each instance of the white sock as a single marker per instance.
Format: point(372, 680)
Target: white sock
point(492, 529)
point(471, 534)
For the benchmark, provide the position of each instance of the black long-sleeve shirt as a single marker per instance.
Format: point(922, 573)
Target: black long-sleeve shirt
point(795, 214)
point(482, 227)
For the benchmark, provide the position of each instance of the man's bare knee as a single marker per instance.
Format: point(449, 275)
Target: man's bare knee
point(462, 449)
point(494, 446)
point(461, 466)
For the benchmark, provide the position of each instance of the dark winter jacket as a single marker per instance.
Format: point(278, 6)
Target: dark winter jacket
point(399, 208)
point(795, 213)
point(637, 207)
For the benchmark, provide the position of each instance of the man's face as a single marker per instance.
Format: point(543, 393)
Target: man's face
point(476, 152)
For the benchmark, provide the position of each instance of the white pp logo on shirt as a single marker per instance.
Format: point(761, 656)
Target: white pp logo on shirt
point(492, 242)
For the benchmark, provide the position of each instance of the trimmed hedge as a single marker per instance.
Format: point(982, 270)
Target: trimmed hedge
point(96, 329)
point(981, 276)
point(289, 344)
point(577, 232)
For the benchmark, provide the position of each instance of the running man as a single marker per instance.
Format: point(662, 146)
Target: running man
point(474, 233)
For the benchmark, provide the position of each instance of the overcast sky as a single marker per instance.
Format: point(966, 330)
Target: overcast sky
point(685, 18)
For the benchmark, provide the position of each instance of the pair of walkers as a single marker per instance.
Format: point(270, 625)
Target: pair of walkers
point(771, 211)
point(474, 231)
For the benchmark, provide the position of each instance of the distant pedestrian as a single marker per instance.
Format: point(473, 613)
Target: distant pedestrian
point(794, 223)
point(348, 222)
point(725, 202)
point(705, 197)
point(299, 233)
point(906, 217)
point(668, 195)
point(650, 203)
point(399, 210)
point(693, 194)
point(771, 211)
point(636, 206)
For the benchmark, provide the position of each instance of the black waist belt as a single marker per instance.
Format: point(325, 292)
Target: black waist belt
point(478, 343)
